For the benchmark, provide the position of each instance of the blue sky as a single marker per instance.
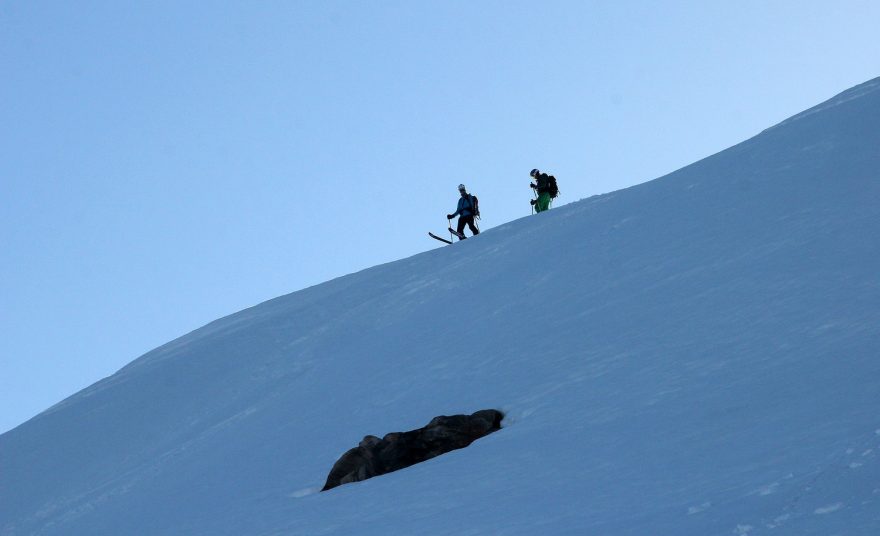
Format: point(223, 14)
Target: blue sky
point(164, 164)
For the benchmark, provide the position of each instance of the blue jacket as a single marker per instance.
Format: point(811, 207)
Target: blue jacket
point(465, 206)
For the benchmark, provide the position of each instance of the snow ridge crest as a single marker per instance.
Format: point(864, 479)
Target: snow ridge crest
point(851, 94)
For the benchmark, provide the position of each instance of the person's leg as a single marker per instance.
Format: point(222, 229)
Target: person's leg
point(472, 225)
point(461, 222)
point(543, 202)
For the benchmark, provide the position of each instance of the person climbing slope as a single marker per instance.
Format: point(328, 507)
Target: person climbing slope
point(545, 187)
point(468, 209)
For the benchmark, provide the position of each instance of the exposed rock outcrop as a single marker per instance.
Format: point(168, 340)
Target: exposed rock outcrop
point(374, 456)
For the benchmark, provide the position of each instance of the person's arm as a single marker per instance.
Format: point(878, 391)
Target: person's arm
point(457, 211)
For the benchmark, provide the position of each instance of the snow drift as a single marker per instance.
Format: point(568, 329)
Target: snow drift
point(694, 355)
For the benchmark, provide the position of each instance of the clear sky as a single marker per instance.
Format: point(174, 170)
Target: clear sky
point(166, 163)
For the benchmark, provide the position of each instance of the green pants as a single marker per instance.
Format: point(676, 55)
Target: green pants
point(543, 202)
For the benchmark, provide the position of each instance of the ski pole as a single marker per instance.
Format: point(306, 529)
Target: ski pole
point(535, 199)
point(449, 226)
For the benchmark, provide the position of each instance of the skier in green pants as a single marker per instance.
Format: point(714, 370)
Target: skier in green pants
point(545, 187)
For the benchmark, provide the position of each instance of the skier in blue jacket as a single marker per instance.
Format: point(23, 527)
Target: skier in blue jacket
point(468, 208)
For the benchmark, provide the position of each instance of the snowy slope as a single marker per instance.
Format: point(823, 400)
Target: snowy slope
point(696, 355)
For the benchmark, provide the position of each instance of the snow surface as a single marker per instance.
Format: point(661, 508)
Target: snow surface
point(696, 355)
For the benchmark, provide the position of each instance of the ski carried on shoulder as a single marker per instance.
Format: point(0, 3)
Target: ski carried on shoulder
point(432, 235)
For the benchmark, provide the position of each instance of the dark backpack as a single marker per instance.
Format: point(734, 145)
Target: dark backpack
point(552, 189)
point(475, 206)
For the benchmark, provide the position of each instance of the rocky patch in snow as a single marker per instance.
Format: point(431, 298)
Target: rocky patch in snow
point(374, 456)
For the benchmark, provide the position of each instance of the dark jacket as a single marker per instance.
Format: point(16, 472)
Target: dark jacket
point(542, 183)
point(465, 206)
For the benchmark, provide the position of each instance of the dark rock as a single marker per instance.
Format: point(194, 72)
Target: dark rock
point(374, 456)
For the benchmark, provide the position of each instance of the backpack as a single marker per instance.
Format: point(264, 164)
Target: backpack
point(475, 206)
point(552, 188)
